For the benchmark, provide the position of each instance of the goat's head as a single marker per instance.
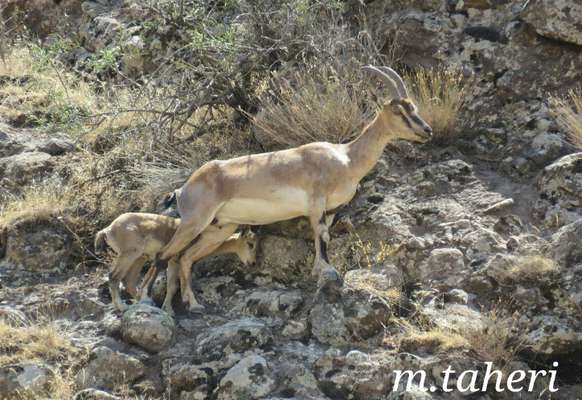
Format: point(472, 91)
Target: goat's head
point(400, 113)
point(247, 247)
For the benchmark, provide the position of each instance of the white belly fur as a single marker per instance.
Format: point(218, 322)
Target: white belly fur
point(283, 204)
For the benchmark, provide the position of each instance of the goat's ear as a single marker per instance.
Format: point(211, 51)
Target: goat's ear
point(167, 200)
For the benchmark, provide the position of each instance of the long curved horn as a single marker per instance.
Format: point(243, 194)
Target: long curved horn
point(399, 82)
point(393, 87)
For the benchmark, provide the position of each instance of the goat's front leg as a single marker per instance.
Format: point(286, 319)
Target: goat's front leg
point(171, 285)
point(150, 278)
point(319, 224)
point(191, 226)
point(207, 243)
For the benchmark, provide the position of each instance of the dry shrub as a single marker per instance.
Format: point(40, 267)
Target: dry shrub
point(439, 94)
point(170, 163)
point(497, 340)
point(568, 113)
point(533, 268)
point(493, 339)
point(323, 95)
point(310, 108)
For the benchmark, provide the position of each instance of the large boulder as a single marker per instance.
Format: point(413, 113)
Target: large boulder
point(148, 327)
point(285, 260)
point(108, 368)
point(553, 336)
point(38, 244)
point(355, 309)
point(23, 379)
point(560, 186)
point(186, 378)
point(328, 323)
point(556, 19)
point(250, 378)
point(21, 169)
point(233, 337)
point(566, 244)
point(444, 267)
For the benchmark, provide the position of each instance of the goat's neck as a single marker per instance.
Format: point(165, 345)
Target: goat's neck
point(367, 148)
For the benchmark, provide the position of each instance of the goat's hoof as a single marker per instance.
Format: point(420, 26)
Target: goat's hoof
point(168, 310)
point(121, 307)
point(196, 308)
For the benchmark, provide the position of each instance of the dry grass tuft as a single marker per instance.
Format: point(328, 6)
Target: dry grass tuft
point(533, 268)
point(38, 201)
point(33, 343)
point(310, 106)
point(42, 344)
point(568, 113)
point(496, 340)
point(389, 296)
point(434, 340)
point(493, 339)
point(439, 94)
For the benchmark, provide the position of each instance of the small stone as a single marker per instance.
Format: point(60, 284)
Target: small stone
point(357, 357)
point(295, 330)
point(444, 267)
point(94, 394)
point(107, 368)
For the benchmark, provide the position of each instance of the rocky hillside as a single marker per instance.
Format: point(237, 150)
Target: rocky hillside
point(459, 253)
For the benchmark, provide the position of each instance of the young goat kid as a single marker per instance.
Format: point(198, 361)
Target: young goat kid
point(139, 237)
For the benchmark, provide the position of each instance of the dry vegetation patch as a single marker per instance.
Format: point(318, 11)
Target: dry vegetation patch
point(568, 113)
point(439, 93)
point(36, 91)
point(38, 201)
point(494, 338)
point(42, 344)
point(533, 268)
point(434, 341)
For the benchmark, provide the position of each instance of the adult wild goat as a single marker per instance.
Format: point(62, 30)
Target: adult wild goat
point(308, 180)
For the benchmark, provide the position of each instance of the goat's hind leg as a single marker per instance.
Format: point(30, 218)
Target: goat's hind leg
point(133, 277)
point(150, 278)
point(319, 223)
point(171, 285)
point(122, 267)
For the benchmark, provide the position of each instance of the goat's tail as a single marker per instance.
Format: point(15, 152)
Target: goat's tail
point(101, 242)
